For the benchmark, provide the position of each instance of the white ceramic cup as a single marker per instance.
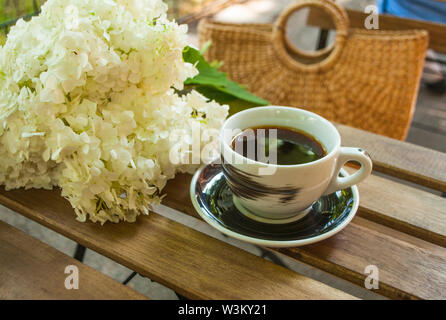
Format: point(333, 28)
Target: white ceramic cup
point(275, 191)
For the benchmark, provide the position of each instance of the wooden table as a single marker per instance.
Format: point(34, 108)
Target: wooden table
point(400, 228)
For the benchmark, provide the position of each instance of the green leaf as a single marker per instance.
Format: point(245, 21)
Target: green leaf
point(238, 91)
point(205, 47)
point(215, 84)
point(208, 77)
point(207, 74)
point(239, 105)
point(215, 94)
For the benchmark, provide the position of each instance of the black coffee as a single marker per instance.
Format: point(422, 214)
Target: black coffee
point(279, 145)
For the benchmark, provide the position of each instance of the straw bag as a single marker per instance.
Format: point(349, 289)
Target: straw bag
point(368, 79)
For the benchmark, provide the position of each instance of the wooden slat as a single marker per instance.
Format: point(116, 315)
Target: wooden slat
point(30, 269)
point(401, 207)
point(410, 267)
point(189, 262)
point(436, 31)
point(413, 211)
point(400, 159)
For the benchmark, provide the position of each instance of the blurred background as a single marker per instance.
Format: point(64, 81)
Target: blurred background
point(428, 127)
point(13, 9)
point(429, 123)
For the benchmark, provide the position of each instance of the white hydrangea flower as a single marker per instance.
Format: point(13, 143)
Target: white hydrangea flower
point(87, 105)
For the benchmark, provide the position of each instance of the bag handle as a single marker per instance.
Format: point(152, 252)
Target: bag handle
point(282, 42)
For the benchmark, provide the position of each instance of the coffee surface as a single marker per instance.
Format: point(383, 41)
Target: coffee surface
point(278, 145)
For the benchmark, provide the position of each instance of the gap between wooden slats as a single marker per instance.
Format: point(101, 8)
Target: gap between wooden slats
point(403, 160)
point(30, 269)
point(411, 267)
point(192, 264)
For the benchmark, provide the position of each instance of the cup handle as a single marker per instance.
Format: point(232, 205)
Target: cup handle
point(350, 154)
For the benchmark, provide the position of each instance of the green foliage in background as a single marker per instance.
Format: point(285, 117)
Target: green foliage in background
point(13, 9)
point(215, 85)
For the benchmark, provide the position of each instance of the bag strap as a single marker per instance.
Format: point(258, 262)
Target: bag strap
point(283, 45)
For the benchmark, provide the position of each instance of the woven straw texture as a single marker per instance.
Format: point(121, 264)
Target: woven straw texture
point(368, 79)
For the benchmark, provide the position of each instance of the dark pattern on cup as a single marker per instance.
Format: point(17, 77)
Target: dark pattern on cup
point(245, 186)
point(215, 199)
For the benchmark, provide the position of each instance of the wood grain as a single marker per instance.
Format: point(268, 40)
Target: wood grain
point(400, 159)
point(436, 31)
point(401, 207)
point(410, 268)
point(189, 262)
point(30, 269)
